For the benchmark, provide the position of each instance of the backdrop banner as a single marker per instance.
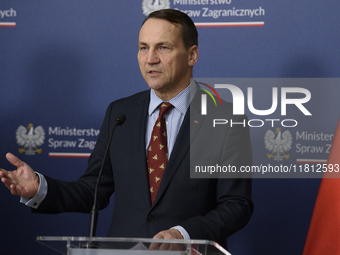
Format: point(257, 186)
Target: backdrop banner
point(63, 62)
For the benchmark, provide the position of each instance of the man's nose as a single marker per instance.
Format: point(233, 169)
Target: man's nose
point(152, 57)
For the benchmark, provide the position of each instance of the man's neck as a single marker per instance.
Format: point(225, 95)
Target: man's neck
point(168, 94)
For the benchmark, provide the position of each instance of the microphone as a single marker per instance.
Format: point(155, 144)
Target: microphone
point(94, 213)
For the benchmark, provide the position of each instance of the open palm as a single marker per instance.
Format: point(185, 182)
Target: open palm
point(21, 182)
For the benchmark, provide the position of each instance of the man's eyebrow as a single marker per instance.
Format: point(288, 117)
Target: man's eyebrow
point(164, 43)
point(157, 44)
point(142, 43)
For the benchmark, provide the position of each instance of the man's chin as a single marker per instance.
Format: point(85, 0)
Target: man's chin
point(157, 86)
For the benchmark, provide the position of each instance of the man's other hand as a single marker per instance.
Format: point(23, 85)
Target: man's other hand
point(168, 234)
point(21, 182)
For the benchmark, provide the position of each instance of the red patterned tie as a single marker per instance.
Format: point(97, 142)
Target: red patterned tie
point(158, 151)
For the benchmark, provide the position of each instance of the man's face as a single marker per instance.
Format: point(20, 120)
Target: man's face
point(163, 60)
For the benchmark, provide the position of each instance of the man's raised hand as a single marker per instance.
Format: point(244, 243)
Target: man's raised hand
point(21, 182)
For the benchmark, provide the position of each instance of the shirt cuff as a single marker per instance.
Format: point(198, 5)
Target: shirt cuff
point(35, 201)
point(183, 232)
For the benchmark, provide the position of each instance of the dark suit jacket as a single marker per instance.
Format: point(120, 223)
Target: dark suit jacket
point(210, 209)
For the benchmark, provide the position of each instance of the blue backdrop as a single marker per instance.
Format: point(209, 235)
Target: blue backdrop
point(63, 62)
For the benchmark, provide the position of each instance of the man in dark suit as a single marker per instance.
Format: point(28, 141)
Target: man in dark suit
point(183, 207)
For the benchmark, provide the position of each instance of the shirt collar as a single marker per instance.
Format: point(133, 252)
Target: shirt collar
point(180, 102)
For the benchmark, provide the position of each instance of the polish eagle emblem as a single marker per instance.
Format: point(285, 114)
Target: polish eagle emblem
point(278, 145)
point(30, 139)
point(149, 6)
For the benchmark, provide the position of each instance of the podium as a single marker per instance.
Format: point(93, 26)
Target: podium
point(70, 245)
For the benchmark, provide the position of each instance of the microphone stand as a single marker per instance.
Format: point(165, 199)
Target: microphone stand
point(94, 213)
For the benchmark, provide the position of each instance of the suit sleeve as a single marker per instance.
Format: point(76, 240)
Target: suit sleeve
point(78, 196)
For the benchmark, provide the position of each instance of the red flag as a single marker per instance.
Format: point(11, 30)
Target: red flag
point(324, 229)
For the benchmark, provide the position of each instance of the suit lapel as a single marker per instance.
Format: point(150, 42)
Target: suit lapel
point(137, 138)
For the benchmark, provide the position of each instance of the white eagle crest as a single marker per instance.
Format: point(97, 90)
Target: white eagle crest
point(30, 138)
point(149, 6)
point(278, 145)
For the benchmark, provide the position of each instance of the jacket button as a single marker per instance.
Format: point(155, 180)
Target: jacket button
point(151, 218)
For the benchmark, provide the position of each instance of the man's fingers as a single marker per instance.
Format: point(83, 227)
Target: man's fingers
point(164, 246)
point(154, 246)
point(3, 173)
point(7, 181)
point(5, 177)
point(167, 234)
point(14, 160)
point(159, 246)
point(160, 235)
point(15, 190)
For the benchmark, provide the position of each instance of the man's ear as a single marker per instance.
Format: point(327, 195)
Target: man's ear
point(193, 55)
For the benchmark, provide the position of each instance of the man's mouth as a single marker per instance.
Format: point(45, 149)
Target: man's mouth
point(153, 73)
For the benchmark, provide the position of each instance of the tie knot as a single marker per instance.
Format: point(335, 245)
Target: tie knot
point(164, 108)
